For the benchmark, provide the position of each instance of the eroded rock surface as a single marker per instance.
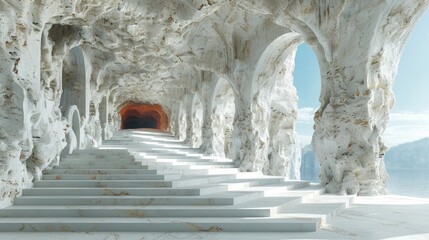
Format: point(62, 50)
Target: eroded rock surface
point(95, 56)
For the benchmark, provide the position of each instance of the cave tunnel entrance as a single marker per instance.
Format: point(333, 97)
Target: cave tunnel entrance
point(135, 115)
point(140, 122)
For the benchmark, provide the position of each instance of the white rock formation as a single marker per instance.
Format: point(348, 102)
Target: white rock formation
point(99, 55)
point(194, 120)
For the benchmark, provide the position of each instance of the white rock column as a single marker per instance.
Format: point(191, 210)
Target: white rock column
point(271, 85)
point(102, 109)
point(182, 121)
point(248, 144)
point(215, 94)
point(189, 123)
point(209, 141)
point(194, 118)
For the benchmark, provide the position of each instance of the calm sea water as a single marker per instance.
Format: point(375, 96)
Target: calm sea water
point(409, 182)
point(405, 182)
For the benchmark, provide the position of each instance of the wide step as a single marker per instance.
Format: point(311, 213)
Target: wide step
point(150, 181)
point(159, 224)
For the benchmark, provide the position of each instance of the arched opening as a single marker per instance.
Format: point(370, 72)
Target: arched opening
point(134, 115)
point(274, 110)
point(73, 135)
point(74, 92)
point(74, 87)
point(307, 81)
point(222, 115)
point(407, 133)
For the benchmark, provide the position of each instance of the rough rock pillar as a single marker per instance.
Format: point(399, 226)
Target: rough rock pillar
point(358, 68)
point(249, 145)
point(207, 127)
point(193, 119)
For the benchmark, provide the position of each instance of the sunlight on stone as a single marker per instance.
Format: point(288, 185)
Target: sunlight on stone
point(168, 116)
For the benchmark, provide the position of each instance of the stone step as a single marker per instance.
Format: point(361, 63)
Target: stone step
point(66, 176)
point(213, 171)
point(89, 159)
point(323, 207)
point(157, 150)
point(100, 163)
point(221, 198)
point(143, 147)
point(101, 166)
point(102, 183)
point(123, 191)
point(123, 200)
point(210, 171)
point(264, 207)
point(140, 183)
point(99, 152)
point(229, 180)
point(183, 163)
point(103, 171)
point(183, 159)
point(173, 155)
point(172, 224)
point(150, 181)
point(201, 166)
point(143, 137)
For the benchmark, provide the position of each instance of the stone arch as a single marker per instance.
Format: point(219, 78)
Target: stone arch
point(222, 110)
point(74, 84)
point(73, 135)
point(274, 98)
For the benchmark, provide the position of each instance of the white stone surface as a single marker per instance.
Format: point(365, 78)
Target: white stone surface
point(384, 217)
point(54, 54)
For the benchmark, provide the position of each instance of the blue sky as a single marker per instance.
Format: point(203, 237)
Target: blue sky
point(409, 120)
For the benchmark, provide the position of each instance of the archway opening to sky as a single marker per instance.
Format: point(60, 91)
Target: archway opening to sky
point(308, 85)
point(407, 133)
point(409, 119)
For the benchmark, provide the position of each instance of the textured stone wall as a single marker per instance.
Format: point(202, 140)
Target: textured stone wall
point(94, 56)
point(194, 119)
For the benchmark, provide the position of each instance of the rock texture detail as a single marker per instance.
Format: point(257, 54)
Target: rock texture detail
point(221, 71)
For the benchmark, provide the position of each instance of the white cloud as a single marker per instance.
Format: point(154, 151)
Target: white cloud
point(406, 127)
point(306, 115)
point(402, 134)
point(304, 140)
point(420, 117)
point(403, 127)
point(305, 125)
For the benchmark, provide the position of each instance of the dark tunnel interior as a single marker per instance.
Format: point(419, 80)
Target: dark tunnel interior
point(140, 122)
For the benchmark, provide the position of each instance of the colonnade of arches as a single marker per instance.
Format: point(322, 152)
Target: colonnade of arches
point(213, 116)
point(216, 110)
point(221, 72)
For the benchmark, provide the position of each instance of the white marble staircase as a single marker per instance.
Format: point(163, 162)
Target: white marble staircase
point(149, 181)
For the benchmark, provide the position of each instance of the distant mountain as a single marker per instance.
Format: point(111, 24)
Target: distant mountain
point(309, 165)
point(408, 155)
